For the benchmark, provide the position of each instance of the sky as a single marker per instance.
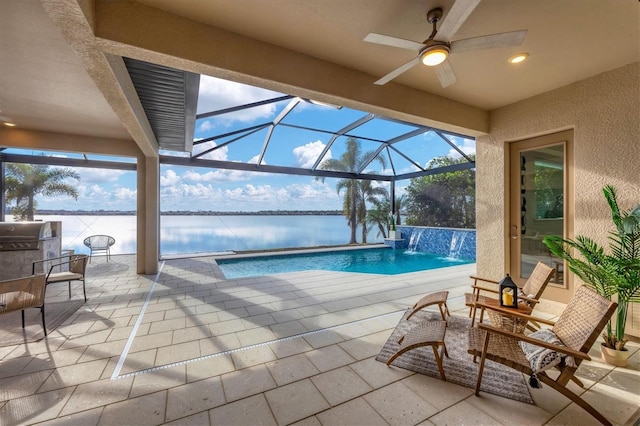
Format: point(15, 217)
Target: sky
point(204, 189)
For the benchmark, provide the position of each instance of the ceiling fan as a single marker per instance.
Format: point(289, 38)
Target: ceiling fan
point(432, 52)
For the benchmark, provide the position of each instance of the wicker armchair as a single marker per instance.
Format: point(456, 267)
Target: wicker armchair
point(528, 294)
point(577, 329)
point(22, 293)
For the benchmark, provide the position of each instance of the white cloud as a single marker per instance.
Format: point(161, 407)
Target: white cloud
point(220, 154)
point(306, 155)
point(205, 125)
point(90, 175)
point(218, 175)
point(250, 197)
point(468, 147)
point(96, 191)
point(170, 178)
point(125, 194)
point(216, 94)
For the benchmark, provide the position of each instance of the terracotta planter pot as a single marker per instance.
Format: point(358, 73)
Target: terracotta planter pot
point(614, 357)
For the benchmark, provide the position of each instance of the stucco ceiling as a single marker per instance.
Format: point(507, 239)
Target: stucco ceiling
point(49, 85)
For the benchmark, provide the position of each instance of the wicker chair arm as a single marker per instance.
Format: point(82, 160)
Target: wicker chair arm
point(35, 262)
point(486, 280)
point(524, 338)
point(531, 300)
point(513, 313)
point(477, 288)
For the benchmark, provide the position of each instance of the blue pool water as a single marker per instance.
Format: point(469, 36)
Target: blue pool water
point(385, 261)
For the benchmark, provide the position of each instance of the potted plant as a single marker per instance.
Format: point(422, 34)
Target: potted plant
point(392, 228)
point(616, 272)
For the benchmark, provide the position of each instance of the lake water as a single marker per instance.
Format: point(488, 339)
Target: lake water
point(206, 234)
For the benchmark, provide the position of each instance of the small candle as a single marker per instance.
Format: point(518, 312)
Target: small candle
point(507, 298)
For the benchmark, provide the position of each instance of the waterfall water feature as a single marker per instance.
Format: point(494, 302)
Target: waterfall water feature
point(414, 239)
point(457, 240)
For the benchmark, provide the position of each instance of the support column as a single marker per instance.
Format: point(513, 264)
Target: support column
point(148, 217)
point(393, 197)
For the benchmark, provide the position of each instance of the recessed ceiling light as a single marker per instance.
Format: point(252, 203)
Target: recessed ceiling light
point(10, 124)
point(520, 57)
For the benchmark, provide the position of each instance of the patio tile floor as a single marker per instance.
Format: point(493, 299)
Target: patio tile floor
point(188, 347)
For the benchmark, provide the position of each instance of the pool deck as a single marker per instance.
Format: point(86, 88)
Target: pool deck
point(186, 346)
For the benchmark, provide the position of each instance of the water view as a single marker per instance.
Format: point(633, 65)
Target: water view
point(209, 234)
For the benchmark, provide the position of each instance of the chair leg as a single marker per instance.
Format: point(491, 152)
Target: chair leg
point(575, 398)
point(69, 289)
point(44, 327)
point(22, 318)
point(482, 360)
point(436, 354)
point(84, 290)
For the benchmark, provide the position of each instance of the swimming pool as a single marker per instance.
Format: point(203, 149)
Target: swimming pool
point(384, 261)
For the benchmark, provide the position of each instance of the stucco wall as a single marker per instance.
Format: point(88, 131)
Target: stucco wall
point(604, 113)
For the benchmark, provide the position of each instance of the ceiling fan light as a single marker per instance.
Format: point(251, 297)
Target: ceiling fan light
point(520, 57)
point(434, 55)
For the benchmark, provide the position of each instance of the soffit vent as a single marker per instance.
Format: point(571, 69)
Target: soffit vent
point(169, 98)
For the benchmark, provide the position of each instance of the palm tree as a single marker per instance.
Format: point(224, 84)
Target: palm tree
point(368, 194)
point(399, 204)
point(379, 216)
point(351, 161)
point(24, 181)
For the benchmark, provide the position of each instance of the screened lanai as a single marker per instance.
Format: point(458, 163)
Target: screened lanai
point(266, 132)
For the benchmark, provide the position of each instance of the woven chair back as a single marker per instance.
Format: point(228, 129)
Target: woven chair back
point(583, 319)
point(538, 280)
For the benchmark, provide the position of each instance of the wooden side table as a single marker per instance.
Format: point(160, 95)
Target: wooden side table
point(501, 318)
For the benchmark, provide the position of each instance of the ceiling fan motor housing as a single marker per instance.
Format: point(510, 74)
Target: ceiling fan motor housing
point(434, 15)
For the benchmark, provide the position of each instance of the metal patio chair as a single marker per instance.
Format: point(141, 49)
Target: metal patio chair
point(76, 270)
point(99, 243)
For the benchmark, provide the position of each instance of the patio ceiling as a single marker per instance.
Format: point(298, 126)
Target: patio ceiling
point(60, 73)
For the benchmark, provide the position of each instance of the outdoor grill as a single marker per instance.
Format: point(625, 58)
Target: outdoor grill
point(23, 235)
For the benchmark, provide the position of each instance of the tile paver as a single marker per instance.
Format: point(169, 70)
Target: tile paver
point(295, 401)
point(352, 413)
point(253, 411)
point(328, 376)
point(340, 385)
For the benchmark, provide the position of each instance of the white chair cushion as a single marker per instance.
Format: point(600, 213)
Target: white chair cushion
point(57, 277)
point(541, 358)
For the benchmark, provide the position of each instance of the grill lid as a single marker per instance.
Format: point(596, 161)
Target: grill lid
point(23, 235)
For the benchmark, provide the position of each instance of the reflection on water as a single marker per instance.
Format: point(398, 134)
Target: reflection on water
point(76, 228)
point(222, 233)
point(196, 234)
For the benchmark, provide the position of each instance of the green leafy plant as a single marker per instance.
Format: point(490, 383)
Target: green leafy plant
point(616, 272)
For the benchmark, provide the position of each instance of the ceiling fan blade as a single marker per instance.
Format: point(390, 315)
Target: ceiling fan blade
point(513, 38)
point(393, 74)
point(459, 13)
point(445, 74)
point(393, 41)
